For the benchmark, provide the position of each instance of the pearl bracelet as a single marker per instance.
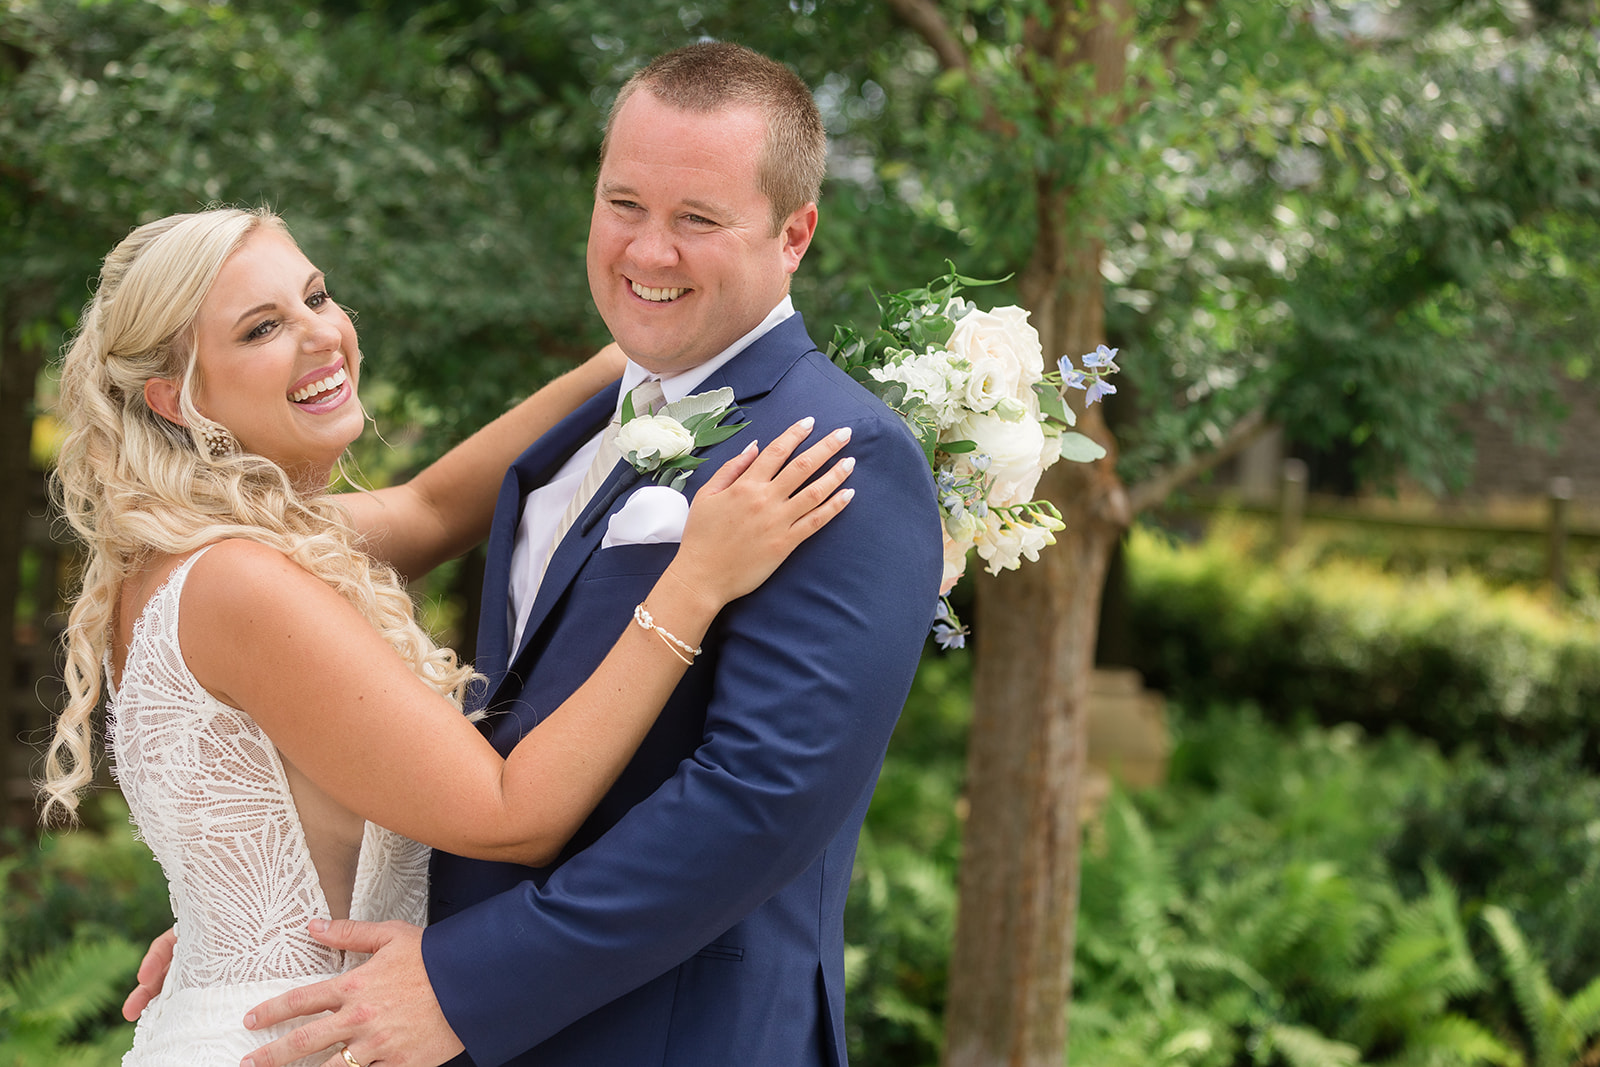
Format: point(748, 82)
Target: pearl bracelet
point(682, 649)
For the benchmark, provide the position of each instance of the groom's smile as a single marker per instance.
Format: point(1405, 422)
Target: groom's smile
point(656, 296)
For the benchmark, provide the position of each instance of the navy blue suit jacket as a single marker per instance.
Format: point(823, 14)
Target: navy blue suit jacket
point(697, 917)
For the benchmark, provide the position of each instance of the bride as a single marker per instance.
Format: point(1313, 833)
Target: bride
point(287, 736)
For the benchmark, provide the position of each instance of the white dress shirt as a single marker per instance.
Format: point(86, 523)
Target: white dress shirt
point(544, 506)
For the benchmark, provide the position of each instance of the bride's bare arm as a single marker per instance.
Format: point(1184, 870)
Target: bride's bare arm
point(264, 635)
point(446, 509)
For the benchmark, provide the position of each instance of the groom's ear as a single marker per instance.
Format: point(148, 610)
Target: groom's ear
point(796, 234)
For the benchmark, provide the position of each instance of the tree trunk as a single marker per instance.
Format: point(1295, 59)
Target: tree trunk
point(19, 368)
point(1011, 969)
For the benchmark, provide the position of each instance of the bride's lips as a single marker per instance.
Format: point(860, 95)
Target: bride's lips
point(322, 390)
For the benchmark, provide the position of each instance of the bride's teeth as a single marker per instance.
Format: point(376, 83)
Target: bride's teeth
point(656, 295)
point(332, 381)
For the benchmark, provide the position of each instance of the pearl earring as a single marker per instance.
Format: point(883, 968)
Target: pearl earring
point(216, 439)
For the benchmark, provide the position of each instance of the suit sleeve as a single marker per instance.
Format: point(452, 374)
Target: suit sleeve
point(813, 670)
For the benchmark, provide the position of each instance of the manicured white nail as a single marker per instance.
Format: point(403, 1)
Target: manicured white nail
point(846, 495)
point(842, 434)
point(749, 448)
point(847, 464)
point(806, 423)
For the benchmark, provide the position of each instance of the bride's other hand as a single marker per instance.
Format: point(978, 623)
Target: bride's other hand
point(152, 975)
point(757, 509)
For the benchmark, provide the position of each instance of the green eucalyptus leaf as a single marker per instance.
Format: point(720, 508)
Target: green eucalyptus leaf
point(1080, 449)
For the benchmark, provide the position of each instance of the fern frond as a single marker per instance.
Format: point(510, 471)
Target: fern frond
point(1584, 1009)
point(64, 988)
point(1542, 1010)
point(1454, 1041)
point(1304, 1047)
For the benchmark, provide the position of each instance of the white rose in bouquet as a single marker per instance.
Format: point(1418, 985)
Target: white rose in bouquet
point(1013, 449)
point(1002, 337)
point(654, 438)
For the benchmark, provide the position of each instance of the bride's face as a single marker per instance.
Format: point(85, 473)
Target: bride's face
point(278, 358)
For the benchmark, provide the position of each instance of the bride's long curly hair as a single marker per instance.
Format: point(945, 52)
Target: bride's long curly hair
point(134, 485)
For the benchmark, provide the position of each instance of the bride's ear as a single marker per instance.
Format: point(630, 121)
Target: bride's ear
point(162, 396)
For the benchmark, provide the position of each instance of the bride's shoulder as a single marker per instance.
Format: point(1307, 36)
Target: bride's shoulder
point(240, 581)
point(246, 607)
point(243, 566)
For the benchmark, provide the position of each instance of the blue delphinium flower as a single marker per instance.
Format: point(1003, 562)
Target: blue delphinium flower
point(1099, 389)
point(1100, 357)
point(947, 631)
point(1091, 379)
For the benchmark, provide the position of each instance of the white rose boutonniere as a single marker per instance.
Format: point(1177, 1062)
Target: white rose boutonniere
point(663, 444)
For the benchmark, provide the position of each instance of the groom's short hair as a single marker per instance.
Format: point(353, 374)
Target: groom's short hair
point(717, 74)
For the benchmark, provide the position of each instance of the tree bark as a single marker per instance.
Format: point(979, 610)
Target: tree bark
point(1011, 969)
point(19, 369)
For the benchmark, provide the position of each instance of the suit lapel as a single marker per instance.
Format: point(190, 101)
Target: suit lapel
point(531, 470)
point(575, 548)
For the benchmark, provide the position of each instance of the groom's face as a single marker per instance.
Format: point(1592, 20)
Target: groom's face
point(683, 260)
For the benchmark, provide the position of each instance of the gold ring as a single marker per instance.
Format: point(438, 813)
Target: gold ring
point(351, 1060)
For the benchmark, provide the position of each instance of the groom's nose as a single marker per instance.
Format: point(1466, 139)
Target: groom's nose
point(654, 245)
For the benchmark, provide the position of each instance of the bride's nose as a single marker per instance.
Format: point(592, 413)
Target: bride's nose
point(320, 335)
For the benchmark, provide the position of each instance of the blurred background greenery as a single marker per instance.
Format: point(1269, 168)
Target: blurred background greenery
point(1358, 234)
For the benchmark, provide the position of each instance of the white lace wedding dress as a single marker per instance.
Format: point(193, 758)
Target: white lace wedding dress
point(209, 795)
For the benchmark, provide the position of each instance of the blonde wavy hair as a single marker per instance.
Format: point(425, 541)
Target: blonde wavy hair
point(134, 485)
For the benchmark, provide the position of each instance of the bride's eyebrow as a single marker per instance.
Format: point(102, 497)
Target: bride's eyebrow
point(272, 305)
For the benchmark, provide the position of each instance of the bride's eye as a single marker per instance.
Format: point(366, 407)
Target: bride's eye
point(261, 329)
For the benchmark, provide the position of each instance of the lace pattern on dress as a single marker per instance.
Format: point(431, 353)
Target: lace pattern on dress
point(208, 793)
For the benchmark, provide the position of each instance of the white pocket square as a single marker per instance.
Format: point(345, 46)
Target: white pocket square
point(652, 515)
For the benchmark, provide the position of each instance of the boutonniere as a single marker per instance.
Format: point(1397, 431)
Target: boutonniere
point(664, 444)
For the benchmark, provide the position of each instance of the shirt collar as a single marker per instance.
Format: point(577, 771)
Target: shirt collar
point(677, 386)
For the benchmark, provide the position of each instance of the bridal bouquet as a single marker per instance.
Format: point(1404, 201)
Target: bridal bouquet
point(973, 387)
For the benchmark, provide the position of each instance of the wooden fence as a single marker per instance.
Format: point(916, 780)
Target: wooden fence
point(1558, 532)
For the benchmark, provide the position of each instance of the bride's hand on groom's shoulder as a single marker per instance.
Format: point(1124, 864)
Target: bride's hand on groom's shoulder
point(383, 1013)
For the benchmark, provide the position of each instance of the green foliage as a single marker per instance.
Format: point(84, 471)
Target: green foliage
point(1560, 1031)
point(1520, 831)
point(1444, 658)
point(1281, 900)
point(76, 913)
point(900, 916)
point(1244, 914)
point(45, 1005)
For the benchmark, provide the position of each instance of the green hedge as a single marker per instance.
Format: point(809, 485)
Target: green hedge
point(1446, 658)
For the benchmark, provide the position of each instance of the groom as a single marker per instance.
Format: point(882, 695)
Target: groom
point(697, 918)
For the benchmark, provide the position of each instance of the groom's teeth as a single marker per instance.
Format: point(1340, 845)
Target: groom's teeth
point(332, 381)
point(657, 295)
